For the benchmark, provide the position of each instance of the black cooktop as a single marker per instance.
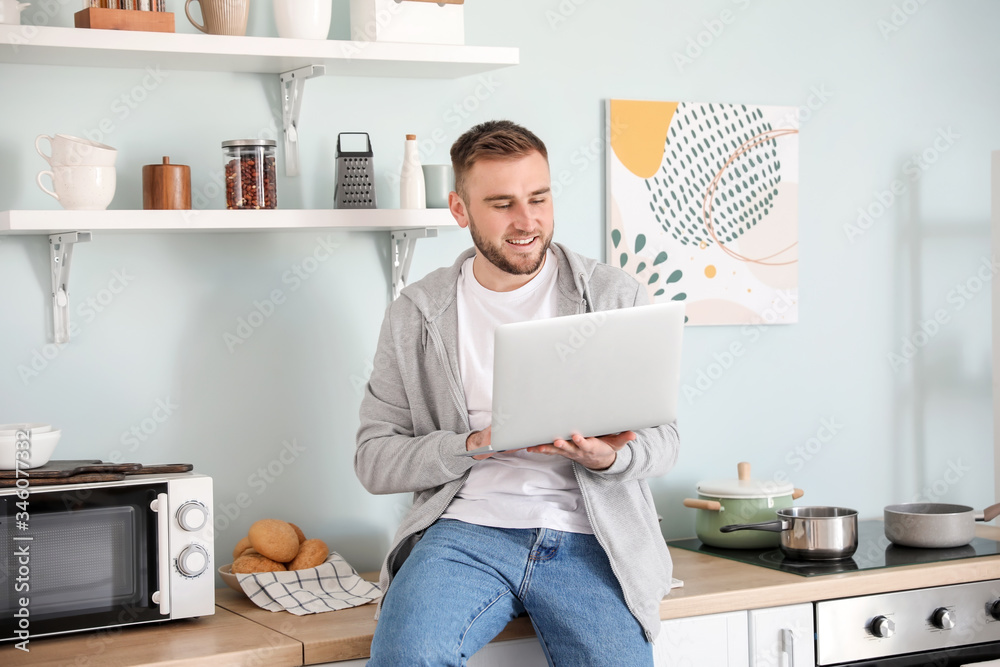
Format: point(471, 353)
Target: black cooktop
point(874, 551)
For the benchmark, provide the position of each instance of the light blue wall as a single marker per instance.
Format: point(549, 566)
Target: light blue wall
point(884, 98)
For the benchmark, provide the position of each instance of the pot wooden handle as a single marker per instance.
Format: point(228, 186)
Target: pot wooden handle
point(743, 471)
point(991, 512)
point(698, 504)
point(797, 493)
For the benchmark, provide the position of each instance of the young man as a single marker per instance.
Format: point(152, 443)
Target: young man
point(566, 532)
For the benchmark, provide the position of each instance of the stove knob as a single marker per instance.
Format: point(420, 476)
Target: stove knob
point(995, 609)
point(882, 627)
point(943, 619)
point(193, 560)
point(192, 516)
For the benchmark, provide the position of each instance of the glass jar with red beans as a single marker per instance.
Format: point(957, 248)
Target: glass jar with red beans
point(250, 174)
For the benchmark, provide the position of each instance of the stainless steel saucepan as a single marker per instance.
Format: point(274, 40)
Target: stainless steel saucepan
point(811, 533)
point(934, 525)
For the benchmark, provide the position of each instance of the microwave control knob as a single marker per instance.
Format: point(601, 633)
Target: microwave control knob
point(883, 627)
point(192, 516)
point(193, 560)
point(995, 609)
point(943, 619)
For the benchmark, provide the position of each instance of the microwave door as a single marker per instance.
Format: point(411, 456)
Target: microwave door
point(89, 563)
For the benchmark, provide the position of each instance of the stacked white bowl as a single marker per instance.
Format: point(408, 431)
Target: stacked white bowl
point(82, 172)
point(24, 446)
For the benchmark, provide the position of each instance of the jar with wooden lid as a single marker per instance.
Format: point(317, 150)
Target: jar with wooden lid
point(250, 174)
point(166, 186)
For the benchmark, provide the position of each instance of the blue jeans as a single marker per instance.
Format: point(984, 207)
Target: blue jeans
point(463, 583)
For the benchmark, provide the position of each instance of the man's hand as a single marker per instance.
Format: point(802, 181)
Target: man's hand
point(479, 439)
point(594, 453)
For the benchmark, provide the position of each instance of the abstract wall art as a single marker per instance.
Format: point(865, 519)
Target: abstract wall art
point(703, 206)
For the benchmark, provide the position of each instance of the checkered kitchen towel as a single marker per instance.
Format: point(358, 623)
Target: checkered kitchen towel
point(328, 587)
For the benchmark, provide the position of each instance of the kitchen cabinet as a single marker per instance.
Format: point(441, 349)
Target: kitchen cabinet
point(713, 640)
point(773, 637)
point(782, 636)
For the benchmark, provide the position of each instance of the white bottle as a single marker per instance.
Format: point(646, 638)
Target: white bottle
point(411, 180)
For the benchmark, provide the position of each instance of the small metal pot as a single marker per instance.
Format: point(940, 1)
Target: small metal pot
point(742, 500)
point(811, 533)
point(934, 525)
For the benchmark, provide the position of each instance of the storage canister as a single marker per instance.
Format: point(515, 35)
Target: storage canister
point(166, 186)
point(250, 173)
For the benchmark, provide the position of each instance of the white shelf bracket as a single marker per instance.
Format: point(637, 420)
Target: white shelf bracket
point(293, 86)
point(60, 256)
point(403, 244)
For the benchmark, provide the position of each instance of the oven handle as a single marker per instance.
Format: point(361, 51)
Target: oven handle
point(162, 596)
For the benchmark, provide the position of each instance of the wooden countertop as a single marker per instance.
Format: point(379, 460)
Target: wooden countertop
point(224, 639)
point(240, 633)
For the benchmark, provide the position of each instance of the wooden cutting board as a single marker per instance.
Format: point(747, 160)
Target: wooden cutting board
point(76, 472)
point(67, 468)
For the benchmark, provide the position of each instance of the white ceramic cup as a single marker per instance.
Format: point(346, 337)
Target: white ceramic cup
point(10, 11)
point(74, 151)
point(439, 181)
point(302, 19)
point(81, 188)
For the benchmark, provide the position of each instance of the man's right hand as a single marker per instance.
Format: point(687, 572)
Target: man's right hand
point(479, 439)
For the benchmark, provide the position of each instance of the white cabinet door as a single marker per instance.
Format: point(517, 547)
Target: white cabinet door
point(782, 636)
point(715, 640)
point(520, 652)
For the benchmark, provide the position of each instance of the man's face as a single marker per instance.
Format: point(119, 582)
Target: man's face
point(508, 209)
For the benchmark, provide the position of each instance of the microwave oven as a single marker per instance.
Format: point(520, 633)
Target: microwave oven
point(96, 555)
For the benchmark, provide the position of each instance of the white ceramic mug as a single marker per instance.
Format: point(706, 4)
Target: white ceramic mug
point(302, 19)
point(81, 188)
point(10, 11)
point(221, 17)
point(74, 151)
point(439, 181)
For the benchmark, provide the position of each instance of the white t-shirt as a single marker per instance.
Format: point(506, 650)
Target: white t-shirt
point(515, 489)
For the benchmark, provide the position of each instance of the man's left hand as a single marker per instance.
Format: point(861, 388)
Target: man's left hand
point(594, 453)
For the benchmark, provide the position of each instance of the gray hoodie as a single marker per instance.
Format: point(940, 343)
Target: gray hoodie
point(414, 421)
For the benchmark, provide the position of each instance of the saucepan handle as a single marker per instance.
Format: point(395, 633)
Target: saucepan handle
point(990, 513)
point(773, 526)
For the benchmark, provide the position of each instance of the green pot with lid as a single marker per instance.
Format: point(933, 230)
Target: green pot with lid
point(724, 502)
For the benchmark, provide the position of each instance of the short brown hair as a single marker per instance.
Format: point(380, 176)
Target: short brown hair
point(492, 140)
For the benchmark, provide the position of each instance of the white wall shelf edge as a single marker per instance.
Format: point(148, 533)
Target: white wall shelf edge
point(385, 220)
point(129, 49)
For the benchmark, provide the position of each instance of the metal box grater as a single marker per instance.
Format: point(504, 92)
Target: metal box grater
point(355, 176)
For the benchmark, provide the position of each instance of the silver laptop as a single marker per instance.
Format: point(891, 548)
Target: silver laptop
point(594, 374)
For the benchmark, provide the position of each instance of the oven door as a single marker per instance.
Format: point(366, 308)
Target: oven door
point(81, 559)
point(958, 656)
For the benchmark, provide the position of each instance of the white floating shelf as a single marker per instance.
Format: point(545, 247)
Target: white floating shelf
point(55, 221)
point(130, 49)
